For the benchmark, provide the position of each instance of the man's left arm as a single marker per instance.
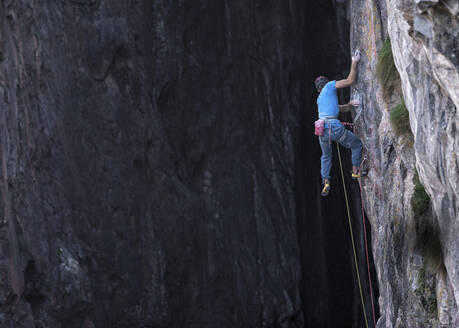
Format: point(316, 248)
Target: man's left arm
point(345, 108)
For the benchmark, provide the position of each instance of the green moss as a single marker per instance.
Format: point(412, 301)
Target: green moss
point(420, 200)
point(400, 119)
point(385, 68)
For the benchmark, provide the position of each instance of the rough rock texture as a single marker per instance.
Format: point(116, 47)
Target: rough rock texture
point(152, 154)
point(417, 257)
point(158, 167)
point(143, 169)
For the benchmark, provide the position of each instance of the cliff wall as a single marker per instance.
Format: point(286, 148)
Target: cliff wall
point(415, 253)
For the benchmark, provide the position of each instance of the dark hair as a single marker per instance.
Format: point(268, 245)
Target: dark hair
point(320, 82)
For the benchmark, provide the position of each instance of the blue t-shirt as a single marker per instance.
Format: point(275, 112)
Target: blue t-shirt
point(328, 100)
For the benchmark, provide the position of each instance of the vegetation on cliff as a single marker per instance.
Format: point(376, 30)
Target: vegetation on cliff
point(420, 200)
point(400, 119)
point(385, 67)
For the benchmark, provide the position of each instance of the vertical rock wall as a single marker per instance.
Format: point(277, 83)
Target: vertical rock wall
point(147, 170)
point(416, 255)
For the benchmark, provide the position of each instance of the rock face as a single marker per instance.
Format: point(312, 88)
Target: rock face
point(152, 154)
point(158, 167)
point(416, 255)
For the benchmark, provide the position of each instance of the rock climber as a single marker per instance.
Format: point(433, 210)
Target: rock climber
point(333, 130)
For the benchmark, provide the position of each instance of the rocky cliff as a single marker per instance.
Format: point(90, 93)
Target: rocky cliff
point(158, 168)
point(416, 252)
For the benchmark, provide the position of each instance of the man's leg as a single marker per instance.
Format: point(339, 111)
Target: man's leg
point(350, 140)
point(326, 160)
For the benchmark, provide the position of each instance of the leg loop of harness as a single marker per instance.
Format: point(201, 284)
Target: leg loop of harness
point(329, 133)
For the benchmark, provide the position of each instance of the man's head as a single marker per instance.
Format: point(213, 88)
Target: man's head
point(320, 82)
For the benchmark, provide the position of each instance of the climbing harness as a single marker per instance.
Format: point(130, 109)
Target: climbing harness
point(353, 242)
point(329, 133)
point(319, 127)
point(347, 124)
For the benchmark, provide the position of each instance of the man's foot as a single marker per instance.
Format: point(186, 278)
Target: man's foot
point(358, 174)
point(326, 189)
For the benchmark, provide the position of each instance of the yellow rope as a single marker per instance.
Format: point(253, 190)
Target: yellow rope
point(352, 237)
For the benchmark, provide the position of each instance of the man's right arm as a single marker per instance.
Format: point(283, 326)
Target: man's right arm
point(352, 75)
point(347, 107)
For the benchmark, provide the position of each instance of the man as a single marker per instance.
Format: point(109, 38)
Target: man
point(329, 109)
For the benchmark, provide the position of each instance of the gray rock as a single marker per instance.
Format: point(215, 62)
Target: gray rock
point(452, 5)
point(423, 5)
point(412, 292)
point(423, 26)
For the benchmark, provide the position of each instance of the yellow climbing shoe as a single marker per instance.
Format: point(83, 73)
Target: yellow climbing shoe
point(326, 189)
point(359, 174)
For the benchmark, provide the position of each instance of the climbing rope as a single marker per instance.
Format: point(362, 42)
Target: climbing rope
point(366, 252)
point(352, 238)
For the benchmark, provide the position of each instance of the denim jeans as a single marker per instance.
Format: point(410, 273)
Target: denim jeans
point(345, 138)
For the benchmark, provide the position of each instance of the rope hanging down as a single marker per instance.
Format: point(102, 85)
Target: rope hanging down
point(352, 239)
point(366, 252)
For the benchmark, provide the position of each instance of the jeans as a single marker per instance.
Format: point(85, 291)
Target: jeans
point(345, 138)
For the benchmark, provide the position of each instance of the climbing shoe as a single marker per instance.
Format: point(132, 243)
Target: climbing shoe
point(325, 190)
point(358, 174)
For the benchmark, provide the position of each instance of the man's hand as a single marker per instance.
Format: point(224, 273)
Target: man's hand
point(356, 57)
point(354, 102)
